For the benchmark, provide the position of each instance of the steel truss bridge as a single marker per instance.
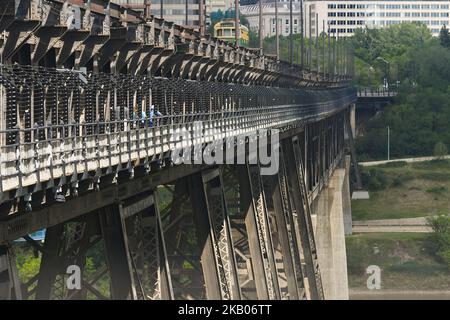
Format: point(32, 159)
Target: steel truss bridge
point(79, 160)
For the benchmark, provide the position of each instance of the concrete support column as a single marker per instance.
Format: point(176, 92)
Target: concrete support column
point(330, 239)
point(353, 119)
point(9, 279)
point(346, 197)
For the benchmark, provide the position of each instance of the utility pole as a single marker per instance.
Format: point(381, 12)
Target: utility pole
point(302, 45)
point(261, 27)
point(186, 13)
point(323, 48)
point(277, 32)
point(237, 27)
point(317, 43)
point(161, 10)
point(291, 40)
point(310, 41)
point(147, 9)
point(201, 17)
point(329, 52)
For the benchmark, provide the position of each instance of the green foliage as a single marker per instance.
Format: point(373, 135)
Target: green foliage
point(397, 182)
point(440, 238)
point(440, 150)
point(27, 263)
point(419, 119)
point(393, 164)
point(444, 37)
point(439, 189)
point(374, 179)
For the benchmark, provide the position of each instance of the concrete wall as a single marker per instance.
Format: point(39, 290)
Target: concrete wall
point(328, 209)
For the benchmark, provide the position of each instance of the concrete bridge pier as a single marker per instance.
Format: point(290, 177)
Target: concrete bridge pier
point(331, 209)
point(9, 281)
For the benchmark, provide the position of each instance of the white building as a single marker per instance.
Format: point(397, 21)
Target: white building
point(251, 12)
point(175, 10)
point(344, 16)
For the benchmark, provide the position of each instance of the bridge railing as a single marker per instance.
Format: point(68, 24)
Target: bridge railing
point(59, 125)
point(376, 93)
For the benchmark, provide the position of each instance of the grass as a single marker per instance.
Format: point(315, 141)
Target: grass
point(402, 257)
point(407, 190)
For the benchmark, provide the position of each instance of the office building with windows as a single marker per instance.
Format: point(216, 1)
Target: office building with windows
point(343, 17)
point(182, 12)
point(251, 12)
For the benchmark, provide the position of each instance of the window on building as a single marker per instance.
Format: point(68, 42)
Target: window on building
point(341, 14)
point(360, 22)
point(406, 6)
point(425, 14)
point(360, 14)
point(415, 14)
point(444, 6)
point(444, 14)
point(435, 14)
point(332, 14)
point(341, 6)
point(360, 6)
point(351, 14)
point(434, 6)
point(341, 22)
point(407, 14)
point(425, 6)
point(295, 21)
point(415, 6)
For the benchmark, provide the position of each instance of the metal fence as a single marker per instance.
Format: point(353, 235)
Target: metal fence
point(59, 123)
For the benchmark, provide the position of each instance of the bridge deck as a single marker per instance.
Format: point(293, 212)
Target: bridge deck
point(98, 128)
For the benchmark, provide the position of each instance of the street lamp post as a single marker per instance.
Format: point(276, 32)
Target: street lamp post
point(386, 71)
point(388, 144)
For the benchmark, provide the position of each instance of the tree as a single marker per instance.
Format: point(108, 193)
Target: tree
point(440, 238)
point(444, 37)
point(440, 150)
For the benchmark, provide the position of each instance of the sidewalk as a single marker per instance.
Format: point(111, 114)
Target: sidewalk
point(418, 159)
point(392, 225)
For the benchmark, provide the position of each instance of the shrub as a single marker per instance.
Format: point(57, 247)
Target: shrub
point(439, 243)
point(397, 182)
point(440, 150)
point(439, 189)
point(394, 164)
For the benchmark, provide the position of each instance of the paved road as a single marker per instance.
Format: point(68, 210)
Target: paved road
point(384, 294)
point(392, 225)
point(418, 159)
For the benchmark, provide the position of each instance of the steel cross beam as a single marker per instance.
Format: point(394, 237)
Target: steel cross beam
point(297, 190)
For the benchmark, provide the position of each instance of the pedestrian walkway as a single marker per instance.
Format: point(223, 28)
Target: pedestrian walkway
point(392, 225)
